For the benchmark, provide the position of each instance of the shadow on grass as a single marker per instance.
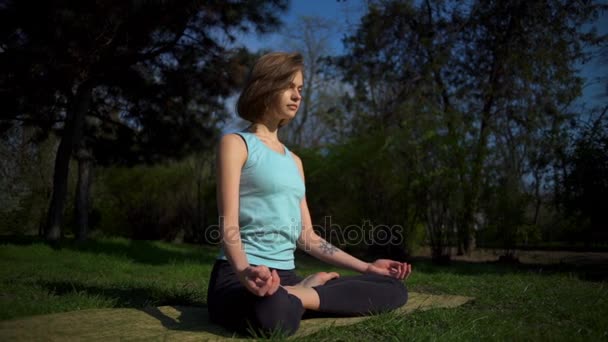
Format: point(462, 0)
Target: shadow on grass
point(128, 297)
point(585, 269)
point(141, 251)
point(154, 253)
point(188, 315)
point(192, 317)
point(588, 271)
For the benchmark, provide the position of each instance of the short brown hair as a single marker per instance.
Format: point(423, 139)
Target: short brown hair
point(270, 74)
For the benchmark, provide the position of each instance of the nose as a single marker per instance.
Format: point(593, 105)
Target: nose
point(295, 95)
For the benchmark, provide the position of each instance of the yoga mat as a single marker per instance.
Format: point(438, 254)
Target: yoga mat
point(169, 323)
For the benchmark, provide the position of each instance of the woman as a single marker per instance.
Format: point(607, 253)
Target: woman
point(264, 216)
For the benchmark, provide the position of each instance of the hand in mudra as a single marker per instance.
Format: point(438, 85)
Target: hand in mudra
point(318, 279)
point(259, 280)
point(390, 268)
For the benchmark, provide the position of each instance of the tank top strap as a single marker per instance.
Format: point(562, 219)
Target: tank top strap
point(253, 147)
point(287, 151)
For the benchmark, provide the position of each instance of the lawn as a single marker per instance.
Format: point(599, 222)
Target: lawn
point(511, 302)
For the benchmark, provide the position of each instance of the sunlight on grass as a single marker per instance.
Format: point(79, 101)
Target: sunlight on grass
point(510, 302)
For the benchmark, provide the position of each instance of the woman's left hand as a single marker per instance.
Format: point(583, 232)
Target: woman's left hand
point(390, 268)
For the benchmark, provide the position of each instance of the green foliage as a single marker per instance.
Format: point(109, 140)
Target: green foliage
point(166, 201)
point(130, 81)
point(586, 181)
point(359, 183)
point(482, 90)
point(26, 180)
point(157, 72)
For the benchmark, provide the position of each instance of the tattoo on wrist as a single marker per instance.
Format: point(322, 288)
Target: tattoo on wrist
point(328, 248)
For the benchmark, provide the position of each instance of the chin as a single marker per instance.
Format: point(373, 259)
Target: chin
point(288, 116)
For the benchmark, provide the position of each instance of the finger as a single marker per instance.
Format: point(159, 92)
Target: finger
point(251, 283)
point(262, 272)
point(259, 282)
point(394, 270)
point(268, 284)
point(397, 272)
point(263, 290)
point(382, 271)
point(402, 270)
point(334, 275)
point(255, 277)
point(409, 271)
point(258, 272)
point(271, 284)
point(254, 288)
point(276, 282)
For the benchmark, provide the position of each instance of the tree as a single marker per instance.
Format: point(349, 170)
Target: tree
point(25, 180)
point(312, 127)
point(586, 180)
point(494, 77)
point(152, 75)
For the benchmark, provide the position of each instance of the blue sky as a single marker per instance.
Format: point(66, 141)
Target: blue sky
point(345, 16)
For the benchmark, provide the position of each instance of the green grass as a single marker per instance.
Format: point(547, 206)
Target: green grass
point(511, 302)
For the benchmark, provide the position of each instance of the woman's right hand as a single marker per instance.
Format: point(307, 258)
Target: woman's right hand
point(259, 280)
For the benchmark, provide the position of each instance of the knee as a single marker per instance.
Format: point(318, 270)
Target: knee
point(280, 312)
point(397, 291)
point(400, 292)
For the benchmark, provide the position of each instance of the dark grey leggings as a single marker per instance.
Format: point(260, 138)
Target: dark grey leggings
point(231, 305)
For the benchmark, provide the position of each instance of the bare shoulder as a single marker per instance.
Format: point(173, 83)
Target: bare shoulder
point(297, 159)
point(232, 138)
point(232, 146)
point(298, 163)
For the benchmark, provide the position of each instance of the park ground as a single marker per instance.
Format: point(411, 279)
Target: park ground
point(527, 301)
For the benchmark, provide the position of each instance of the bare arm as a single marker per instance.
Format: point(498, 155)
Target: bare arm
point(231, 156)
point(313, 244)
point(318, 247)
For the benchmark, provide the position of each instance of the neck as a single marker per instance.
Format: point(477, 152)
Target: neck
point(265, 129)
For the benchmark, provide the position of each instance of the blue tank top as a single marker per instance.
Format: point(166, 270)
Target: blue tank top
point(270, 193)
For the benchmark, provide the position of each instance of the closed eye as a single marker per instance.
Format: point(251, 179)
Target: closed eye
point(293, 86)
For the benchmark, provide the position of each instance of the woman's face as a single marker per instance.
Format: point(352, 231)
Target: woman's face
point(289, 99)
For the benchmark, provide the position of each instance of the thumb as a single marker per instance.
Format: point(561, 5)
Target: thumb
point(381, 271)
point(275, 275)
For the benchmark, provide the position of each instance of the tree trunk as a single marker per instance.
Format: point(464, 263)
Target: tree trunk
point(83, 187)
point(538, 198)
point(472, 194)
point(200, 228)
point(71, 136)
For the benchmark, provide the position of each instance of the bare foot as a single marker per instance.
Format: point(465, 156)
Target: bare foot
point(304, 289)
point(318, 279)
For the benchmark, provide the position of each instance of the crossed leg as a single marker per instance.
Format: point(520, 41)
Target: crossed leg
point(350, 295)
